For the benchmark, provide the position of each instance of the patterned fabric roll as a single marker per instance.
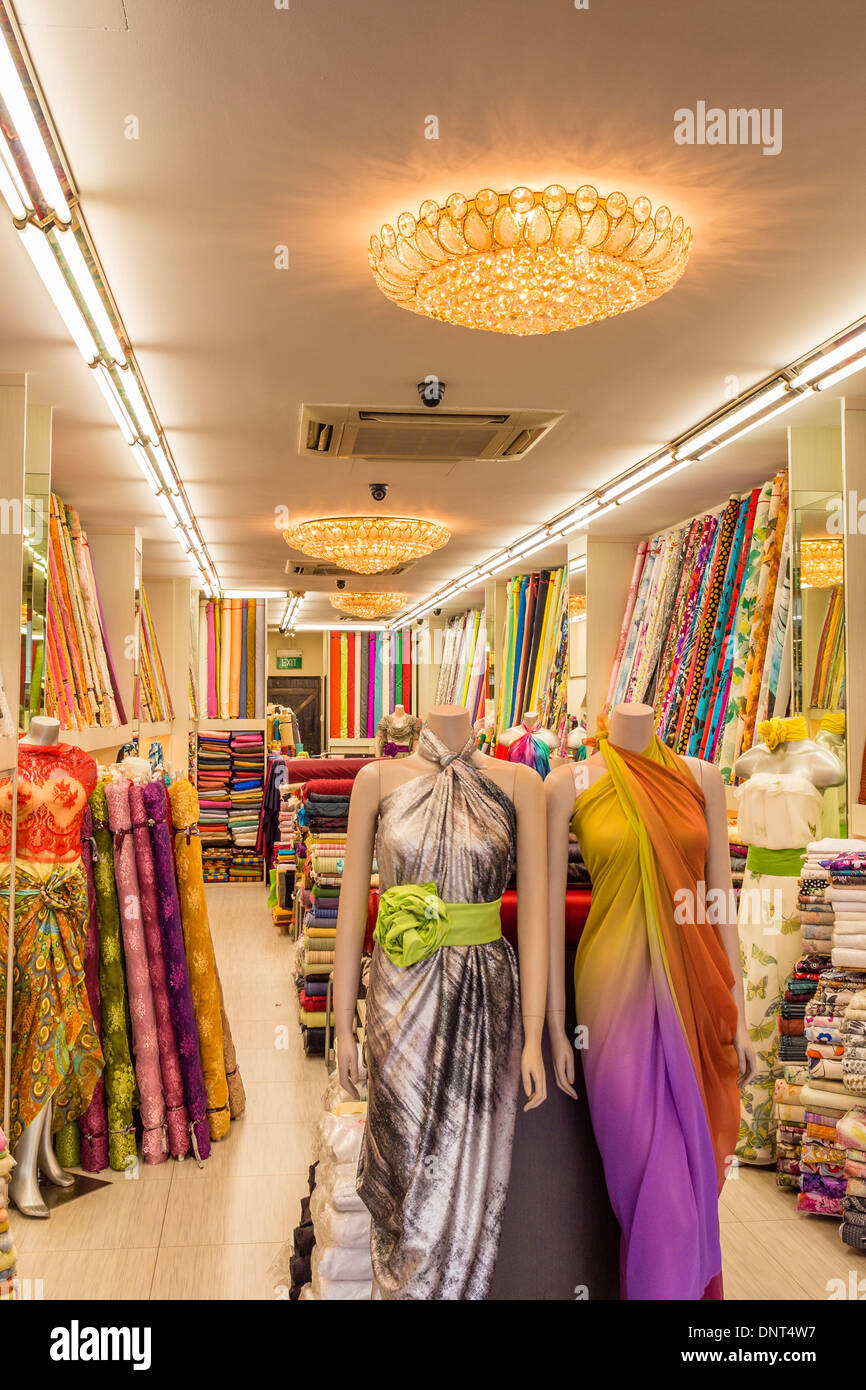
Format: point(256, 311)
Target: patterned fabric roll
point(120, 1087)
point(93, 1124)
point(180, 992)
point(203, 977)
point(169, 1058)
point(154, 1142)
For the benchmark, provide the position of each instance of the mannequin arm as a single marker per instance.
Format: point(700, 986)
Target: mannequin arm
point(352, 917)
point(559, 795)
point(719, 877)
point(531, 926)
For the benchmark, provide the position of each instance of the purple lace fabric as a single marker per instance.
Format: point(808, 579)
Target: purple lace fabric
point(145, 1042)
point(93, 1124)
point(169, 1057)
point(174, 953)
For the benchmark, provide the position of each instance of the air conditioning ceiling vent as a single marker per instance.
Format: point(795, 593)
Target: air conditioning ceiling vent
point(429, 436)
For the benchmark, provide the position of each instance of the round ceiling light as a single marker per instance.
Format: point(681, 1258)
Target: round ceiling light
point(369, 606)
point(527, 262)
point(367, 544)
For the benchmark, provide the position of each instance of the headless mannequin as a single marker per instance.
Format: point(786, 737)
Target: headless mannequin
point(631, 727)
point(34, 1151)
point(577, 738)
point(399, 715)
point(530, 721)
point(801, 756)
point(451, 724)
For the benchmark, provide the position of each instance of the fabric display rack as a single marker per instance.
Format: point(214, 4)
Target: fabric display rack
point(324, 818)
point(152, 982)
point(230, 781)
point(328, 1256)
point(533, 675)
point(233, 658)
point(463, 673)
point(370, 674)
point(152, 695)
point(820, 1098)
point(81, 686)
point(705, 629)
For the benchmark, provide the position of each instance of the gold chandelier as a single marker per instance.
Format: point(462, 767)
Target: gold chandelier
point(821, 563)
point(576, 607)
point(369, 606)
point(367, 544)
point(527, 262)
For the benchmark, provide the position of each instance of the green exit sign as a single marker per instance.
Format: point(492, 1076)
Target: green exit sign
point(289, 661)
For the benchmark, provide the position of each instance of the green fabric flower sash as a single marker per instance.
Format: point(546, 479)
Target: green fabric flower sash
point(413, 922)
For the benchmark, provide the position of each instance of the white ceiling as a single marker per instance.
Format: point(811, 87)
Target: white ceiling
point(261, 126)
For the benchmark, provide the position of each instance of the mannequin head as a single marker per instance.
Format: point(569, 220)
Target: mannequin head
point(451, 724)
point(43, 731)
point(399, 711)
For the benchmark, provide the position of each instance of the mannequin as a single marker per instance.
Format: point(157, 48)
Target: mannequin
point(48, 846)
point(454, 832)
point(649, 1038)
point(397, 734)
point(780, 812)
point(529, 743)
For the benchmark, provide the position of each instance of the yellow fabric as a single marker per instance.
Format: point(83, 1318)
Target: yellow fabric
point(200, 956)
point(316, 1018)
point(774, 732)
point(834, 723)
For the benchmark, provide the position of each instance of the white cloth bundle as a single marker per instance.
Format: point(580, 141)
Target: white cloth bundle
point(335, 1183)
point(339, 1137)
point(341, 1263)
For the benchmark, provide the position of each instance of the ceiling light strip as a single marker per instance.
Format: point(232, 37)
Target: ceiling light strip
point(794, 383)
point(54, 234)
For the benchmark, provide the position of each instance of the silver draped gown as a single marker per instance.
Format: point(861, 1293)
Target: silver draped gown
point(443, 1045)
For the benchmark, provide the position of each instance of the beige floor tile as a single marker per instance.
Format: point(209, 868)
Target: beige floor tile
point(811, 1250)
point(748, 1274)
point(280, 1102)
point(124, 1215)
point(753, 1196)
point(253, 1150)
point(115, 1275)
point(214, 1271)
point(282, 1063)
point(233, 1210)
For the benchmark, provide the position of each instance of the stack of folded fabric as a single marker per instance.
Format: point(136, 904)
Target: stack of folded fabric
point(246, 866)
point(738, 855)
point(822, 1161)
point(816, 912)
point(854, 1039)
point(214, 765)
point(9, 1288)
point(326, 806)
point(790, 1118)
point(823, 1033)
point(851, 1132)
point(799, 989)
point(847, 894)
point(216, 864)
point(246, 788)
point(578, 874)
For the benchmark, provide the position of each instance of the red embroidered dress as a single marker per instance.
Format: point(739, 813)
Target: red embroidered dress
point(55, 1049)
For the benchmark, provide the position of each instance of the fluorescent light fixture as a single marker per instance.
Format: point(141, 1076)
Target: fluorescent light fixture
point(10, 183)
point(86, 286)
point(753, 406)
point(611, 507)
point(503, 564)
point(794, 399)
point(51, 276)
point(165, 472)
point(147, 426)
point(18, 105)
point(651, 482)
point(574, 518)
point(143, 461)
point(575, 566)
point(626, 484)
point(832, 379)
point(183, 512)
point(833, 356)
point(168, 510)
point(115, 404)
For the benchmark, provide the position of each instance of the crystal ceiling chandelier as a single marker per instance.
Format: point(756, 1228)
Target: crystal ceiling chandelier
point(369, 606)
point(367, 544)
point(527, 262)
point(576, 607)
point(821, 563)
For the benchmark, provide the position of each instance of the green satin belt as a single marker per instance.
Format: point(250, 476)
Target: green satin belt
point(782, 863)
point(413, 922)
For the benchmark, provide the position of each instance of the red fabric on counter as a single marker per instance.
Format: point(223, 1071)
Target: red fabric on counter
point(334, 786)
point(314, 769)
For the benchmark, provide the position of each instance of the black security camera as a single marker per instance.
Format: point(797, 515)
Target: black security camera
point(378, 491)
point(436, 612)
point(432, 391)
point(341, 583)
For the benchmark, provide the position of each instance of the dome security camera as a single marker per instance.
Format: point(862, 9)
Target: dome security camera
point(341, 583)
point(378, 491)
point(431, 390)
point(436, 612)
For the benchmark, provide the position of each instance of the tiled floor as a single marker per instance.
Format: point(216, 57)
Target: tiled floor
point(179, 1232)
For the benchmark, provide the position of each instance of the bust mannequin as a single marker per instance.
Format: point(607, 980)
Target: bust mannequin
point(632, 726)
point(397, 734)
point(802, 756)
point(531, 725)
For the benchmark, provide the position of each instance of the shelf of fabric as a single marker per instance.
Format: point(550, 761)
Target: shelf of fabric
point(533, 665)
point(232, 658)
point(369, 673)
point(462, 675)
